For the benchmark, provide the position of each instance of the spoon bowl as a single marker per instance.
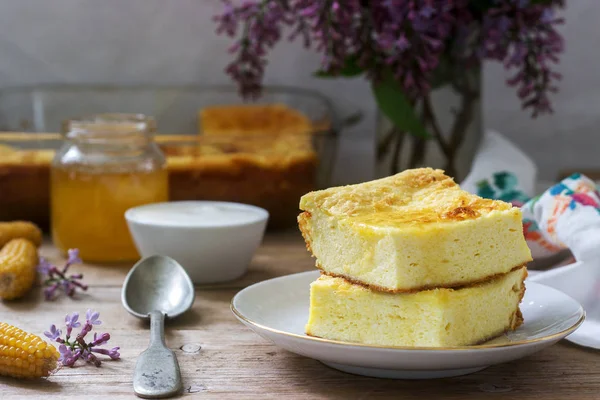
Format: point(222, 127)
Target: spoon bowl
point(157, 283)
point(155, 288)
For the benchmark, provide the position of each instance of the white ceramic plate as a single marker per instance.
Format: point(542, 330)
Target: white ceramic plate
point(277, 309)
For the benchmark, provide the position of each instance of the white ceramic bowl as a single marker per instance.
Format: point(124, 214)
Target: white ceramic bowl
point(214, 241)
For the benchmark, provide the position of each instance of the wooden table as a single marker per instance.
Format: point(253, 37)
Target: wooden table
point(234, 363)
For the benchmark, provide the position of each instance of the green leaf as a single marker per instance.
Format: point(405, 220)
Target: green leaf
point(394, 104)
point(350, 70)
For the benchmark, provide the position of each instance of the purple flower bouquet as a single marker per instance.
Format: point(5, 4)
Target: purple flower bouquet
point(407, 49)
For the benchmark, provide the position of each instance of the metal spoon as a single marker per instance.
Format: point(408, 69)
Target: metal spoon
point(155, 288)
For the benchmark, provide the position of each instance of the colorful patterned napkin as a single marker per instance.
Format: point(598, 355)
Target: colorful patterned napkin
point(565, 216)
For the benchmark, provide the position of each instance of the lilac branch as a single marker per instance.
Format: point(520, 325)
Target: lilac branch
point(57, 278)
point(73, 350)
point(406, 37)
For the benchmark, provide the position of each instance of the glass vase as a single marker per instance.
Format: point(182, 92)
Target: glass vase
point(452, 116)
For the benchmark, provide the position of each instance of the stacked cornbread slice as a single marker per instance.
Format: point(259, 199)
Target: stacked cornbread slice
point(413, 260)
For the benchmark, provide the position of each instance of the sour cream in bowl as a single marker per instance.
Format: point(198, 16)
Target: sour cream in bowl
point(214, 241)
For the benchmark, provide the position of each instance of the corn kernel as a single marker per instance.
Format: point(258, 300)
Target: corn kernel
point(23, 357)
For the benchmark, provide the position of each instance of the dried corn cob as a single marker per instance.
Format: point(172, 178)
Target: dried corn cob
point(19, 229)
point(18, 259)
point(23, 355)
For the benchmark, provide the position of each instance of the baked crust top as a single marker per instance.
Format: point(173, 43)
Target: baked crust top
point(414, 196)
point(253, 119)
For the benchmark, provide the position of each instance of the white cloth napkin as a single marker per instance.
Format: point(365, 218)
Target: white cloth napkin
point(496, 154)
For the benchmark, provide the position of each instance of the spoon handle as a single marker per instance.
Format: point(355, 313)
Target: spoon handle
point(157, 371)
point(157, 329)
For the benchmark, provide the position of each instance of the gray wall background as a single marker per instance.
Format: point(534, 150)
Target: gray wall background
point(173, 42)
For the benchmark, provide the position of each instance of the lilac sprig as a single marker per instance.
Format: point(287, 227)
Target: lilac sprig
point(58, 279)
point(77, 348)
point(262, 30)
point(408, 38)
point(523, 36)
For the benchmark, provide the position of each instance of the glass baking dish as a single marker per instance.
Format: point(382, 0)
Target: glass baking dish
point(268, 169)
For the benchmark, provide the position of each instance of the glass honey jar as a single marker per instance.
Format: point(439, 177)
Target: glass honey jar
point(107, 164)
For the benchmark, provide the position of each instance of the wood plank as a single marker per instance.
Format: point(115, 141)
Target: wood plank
point(235, 363)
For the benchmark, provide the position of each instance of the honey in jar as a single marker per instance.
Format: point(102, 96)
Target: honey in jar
point(108, 164)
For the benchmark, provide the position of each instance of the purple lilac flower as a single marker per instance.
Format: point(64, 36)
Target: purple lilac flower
point(58, 279)
point(92, 317)
point(73, 350)
point(44, 266)
point(53, 333)
point(91, 320)
point(112, 353)
point(49, 292)
point(411, 37)
point(98, 340)
point(67, 356)
point(405, 37)
point(91, 358)
point(71, 322)
point(65, 352)
point(73, 257)
point(524, 38)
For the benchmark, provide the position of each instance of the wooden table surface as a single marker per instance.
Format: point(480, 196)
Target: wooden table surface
point(234, 363)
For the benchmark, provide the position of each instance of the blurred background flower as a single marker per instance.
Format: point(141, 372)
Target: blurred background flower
point(407, 49)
